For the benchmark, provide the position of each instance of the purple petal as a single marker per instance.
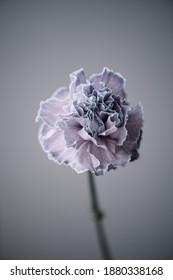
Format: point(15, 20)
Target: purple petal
point(85, 136)
point(119, 135)
point(112, 156)
point(75, 135)
point(114, 81)
point(71, 128)
point(134, 123)
point(110, 128)
point(132, 149)
point(77, 78)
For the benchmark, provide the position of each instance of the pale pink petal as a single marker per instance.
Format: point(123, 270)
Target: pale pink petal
point(77, 78)
point(108, 131)
point(85, 136)
point(53, 143)
point(51, 108)
point(61, 93)
point(84, 160)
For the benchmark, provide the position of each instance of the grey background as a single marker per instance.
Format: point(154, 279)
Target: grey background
point(45, 208)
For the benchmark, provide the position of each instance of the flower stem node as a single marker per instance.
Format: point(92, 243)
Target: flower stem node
point(98, 216)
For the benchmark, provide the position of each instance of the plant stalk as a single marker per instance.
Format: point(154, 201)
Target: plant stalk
point(98, 218)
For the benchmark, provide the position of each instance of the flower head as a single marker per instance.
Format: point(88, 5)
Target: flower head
point(91, 126)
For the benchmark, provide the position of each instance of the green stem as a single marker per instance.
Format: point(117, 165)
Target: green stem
point(98, 216)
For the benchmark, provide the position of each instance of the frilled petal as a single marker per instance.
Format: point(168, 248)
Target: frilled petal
point(85, 136)
point(109, 158)
point(84, 160)
point(61, 93)
point(77, 78)
point(71, 128)
point(75, 135)
point(109, 127)
point(53, 143)
point(51, 108)
point(119, 136)
point(114, 81)
point(133, 147)
point(134, 123)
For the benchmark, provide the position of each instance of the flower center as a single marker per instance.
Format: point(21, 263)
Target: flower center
point(98, 107)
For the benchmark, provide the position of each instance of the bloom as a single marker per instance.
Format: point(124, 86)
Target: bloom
point(90, 125)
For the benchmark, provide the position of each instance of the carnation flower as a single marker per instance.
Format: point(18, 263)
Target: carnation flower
point(90, 125)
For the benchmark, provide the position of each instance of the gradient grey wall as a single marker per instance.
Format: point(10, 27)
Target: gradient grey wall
point(45, 208)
